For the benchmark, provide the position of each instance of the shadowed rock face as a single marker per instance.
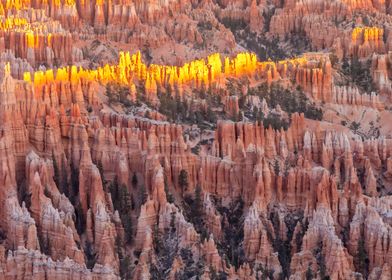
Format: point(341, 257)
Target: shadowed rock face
point(145, 140)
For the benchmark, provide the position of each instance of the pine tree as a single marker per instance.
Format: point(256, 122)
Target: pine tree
point(79, 219)
point(197, 209)
point(362, 258)
point(114, 191)
point(276, 167)
point(143, 194)
point(321, 261)
point(169, 196)
point(101, 172)
point(56, 175)
point(90, 255)
point(64, 179)
point(183, 180)
point(125, 199)
point(309, 273)
point(122, 202)
point(134, 180)
point(127, 224)
point(157, 239)
point(74, 179)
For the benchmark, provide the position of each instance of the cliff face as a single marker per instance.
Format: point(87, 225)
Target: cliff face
point(217, 164)
point(65, 157)
point(57, 33)
point(321, 24)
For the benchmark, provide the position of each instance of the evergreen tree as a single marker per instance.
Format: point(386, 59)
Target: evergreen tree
point(125, 212)
point(345, 65)
point(183, 180)
point(157, 239)
point(355, 68)
point(74, 181)
point(80, 221)
point(56, 175)
point(122, 202)
point(231, 244)
point(309, 273)
point(191, 269)
point(169, 196)
point(166, 249)
point(64, 179)
point(276, 167)
point(113, 188)
point(44, 244)
point(90, 255)
point(321, 261)
point(125, 264)
point(197, 209)
point(362, 258)
point(60, 178)
point(101, 172)
point(134, 180)
point(143, 195)
point(125, 199)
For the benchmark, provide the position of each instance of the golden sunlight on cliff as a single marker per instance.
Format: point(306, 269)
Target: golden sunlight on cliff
point(13, 4)
point(131, 69)
point(366, 34)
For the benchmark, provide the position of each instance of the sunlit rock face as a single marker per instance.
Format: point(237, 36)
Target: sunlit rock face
point(180, 139)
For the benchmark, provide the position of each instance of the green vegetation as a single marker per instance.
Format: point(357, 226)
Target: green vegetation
point(257, 43)
point(283, 247)
point(233, 232)
point(80, 219)
point(309, 273)
point(217, 275)
point(166, 248)
point(74, 182)
point(134, 180)
point(101, 172)
point(191, 269)
point(196, 149)
point(263, 273)
point(143, 195)
point(183, 180)
point(276, 167)
point(290, 101)
point(56, 175)
point(122, 203)
point(125, 262)
point(359, 73)
point(194, 212)
point(204, 25)
point(171, 107)
point(91, 256)
point(233, 25)
point(355, 126)
point(169, 195)
point(191, 112)
point(362, 258)
point(318, 252)
point(118, 93)
point(44, 244)
point(61, 179)
point(266, 48)
point(275, 121)
point(299, 237)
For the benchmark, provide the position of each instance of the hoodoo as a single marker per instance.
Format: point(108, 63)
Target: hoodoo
point(195, 139)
